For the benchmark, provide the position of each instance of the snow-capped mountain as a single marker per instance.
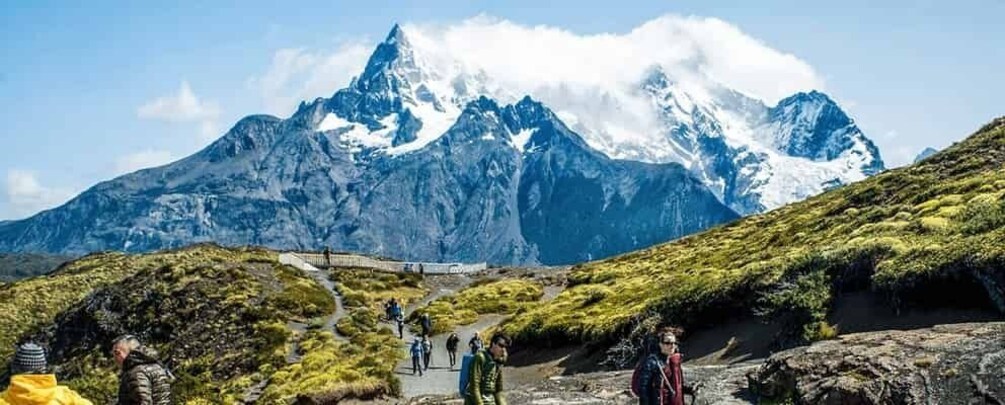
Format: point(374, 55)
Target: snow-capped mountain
point(395, 164)
point(426, 161)
point(754, 157)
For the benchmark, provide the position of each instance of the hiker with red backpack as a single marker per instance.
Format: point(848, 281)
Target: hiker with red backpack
point(659, 379)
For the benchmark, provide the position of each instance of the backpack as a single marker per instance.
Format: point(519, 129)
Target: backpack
point(466, 362)
point(636, 384)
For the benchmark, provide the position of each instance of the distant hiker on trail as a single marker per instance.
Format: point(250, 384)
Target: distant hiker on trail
point(395, 309)
point(427, 352)
point(452, 343)
point(484, 383)
point(401, 326)
point(31, 384)
point(475, 343)
point(416, 352)
point(660, 380)
point(422, 270)
point(387, 311)
point(328, 256)
point(144, 380)
point(427, 325)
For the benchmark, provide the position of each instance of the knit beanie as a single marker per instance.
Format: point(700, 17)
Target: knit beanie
point(29, 358)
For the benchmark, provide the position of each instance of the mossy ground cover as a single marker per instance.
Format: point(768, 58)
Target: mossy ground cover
point(332, 370)
point(363, 367)
point(362, 287)
point(935, 224)
point(217, 316)
point(486, 296)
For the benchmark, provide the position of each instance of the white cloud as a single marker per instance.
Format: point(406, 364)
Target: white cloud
point(184, 107)
point(142, 160)
point(540, 59)
point(297, 74)
point(26, 195)
point(181, 107)
point(687, 47)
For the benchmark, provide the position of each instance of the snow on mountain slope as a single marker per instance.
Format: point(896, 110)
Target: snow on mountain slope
point(753, 157)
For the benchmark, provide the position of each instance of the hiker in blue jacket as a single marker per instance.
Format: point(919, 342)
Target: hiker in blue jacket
point(416, 351)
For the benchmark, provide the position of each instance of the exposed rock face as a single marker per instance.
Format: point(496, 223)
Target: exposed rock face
point(946, 364)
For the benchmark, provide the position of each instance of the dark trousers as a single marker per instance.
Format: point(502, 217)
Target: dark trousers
point(453, 357)
point(400, 328)
point(425, 359)
point(416, 366)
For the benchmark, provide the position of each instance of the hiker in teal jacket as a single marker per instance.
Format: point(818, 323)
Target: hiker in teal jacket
point(485, 381)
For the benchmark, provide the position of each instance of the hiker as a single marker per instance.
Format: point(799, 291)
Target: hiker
point(31, 384)
point(427, 325)
point(395, 308)
point(144, 380)
point(427, 352)
point(416, 352)
point(484, 380)
point(328, 256)
point(452, 342)
point(401, 326)
point(422, 270)
point(475, 343)
point(661, 380)
point(388, 314)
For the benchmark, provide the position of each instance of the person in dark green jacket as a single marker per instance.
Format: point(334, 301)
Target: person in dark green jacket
point(485, 379)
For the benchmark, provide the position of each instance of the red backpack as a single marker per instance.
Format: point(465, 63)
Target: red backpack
point(636, 386)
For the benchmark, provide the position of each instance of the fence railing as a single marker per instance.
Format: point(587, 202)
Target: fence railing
point(295, 260)
point(318, 260)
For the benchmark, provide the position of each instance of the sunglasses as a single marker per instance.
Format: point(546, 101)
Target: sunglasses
point(668, 343)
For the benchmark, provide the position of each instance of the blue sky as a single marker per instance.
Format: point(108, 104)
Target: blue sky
point(79, 85)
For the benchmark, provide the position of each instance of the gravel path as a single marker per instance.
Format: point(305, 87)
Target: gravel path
point(439, 379)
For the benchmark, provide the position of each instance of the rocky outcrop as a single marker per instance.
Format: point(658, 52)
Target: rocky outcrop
point(946, 364)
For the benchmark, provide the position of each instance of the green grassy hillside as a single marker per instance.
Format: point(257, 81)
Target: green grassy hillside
point(363, 367)
point(220, 319)
point(486, 296)
point(927, 234)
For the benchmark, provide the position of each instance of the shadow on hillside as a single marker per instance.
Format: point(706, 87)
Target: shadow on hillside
point(732, 340)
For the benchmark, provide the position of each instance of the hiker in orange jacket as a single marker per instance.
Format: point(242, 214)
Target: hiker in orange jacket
point(31, 385)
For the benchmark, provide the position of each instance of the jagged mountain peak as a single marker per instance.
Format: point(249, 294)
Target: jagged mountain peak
point(807, 96)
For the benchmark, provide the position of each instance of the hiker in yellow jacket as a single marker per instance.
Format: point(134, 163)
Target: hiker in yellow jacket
point(30, 385)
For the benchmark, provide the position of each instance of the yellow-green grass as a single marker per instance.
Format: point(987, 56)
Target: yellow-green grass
point(937, 223)
point(226, 310)
point(30, 303)
point(360, 287)
point(504, 297)
point(362, 368)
